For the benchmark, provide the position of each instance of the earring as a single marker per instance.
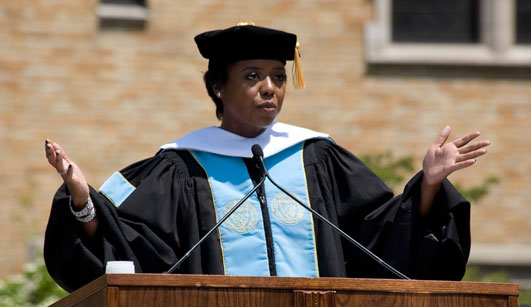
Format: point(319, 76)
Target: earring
point(218, 94)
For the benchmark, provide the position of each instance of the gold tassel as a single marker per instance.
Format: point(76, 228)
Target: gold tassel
point(298, 78)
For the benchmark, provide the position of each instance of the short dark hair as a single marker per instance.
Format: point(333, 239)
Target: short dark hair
point(216, 75)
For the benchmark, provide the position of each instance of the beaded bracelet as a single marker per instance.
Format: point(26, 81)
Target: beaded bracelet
point(89, 217)
point(85, 215)
point(83, 212)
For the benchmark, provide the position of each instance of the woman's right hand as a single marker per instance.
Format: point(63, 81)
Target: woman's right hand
point(71, 174)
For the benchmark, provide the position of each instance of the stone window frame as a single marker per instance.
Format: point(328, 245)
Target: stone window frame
point(132, 15)
point(497, 45)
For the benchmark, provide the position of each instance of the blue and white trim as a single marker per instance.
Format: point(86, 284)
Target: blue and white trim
point(117, 188)
point(291, 224)
point(242, 236)
point(276, 138)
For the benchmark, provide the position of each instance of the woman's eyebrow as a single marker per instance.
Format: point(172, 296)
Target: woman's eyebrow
point(251, 68)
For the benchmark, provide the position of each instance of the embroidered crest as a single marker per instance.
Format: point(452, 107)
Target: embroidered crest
point(244, 219)
point(286, 209)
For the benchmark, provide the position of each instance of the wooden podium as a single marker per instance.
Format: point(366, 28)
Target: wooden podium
point(234, 291)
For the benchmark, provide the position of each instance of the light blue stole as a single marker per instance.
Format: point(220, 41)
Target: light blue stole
point(242, 236)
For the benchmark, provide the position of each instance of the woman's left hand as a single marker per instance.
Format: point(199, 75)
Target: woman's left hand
point(443, 158)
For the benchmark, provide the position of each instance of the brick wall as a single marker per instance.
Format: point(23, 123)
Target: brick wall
point(111, 98)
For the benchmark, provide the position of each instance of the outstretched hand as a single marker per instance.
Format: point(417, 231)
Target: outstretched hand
point(443, 158)
point(68, 170)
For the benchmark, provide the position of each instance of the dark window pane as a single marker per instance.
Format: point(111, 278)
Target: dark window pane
point(523, 21)
point(123, 15)
point(125, 2)
point(435, 21)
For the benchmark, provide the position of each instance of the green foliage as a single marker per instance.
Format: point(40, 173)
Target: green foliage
point(392, 171)
point(473, 273)
point(34, 287)
point(475, 193)
point(525, 297)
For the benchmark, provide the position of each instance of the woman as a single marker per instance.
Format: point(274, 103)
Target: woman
point(153, 211)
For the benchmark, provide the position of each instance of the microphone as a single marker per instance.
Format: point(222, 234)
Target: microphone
point(258, 156)
point(225, 217)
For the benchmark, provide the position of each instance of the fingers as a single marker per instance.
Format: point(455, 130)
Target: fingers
point(466, 139)
point(59, 149)
point(471, 155)
point(48, 148)
point(56, 157)
point(60, 165)
point(463, 164)
point(468, 154)
point(475, 146)
point(50, 152)
point(443, 136)
point(69, 171)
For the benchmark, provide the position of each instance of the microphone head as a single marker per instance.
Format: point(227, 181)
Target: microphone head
point(257, 151)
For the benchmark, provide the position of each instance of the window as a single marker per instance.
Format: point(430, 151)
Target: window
point(454, 32)
point(523, 22)
point(443, 21)
point(122, 14)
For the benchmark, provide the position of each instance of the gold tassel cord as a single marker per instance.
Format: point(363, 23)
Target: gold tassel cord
point(298, 78)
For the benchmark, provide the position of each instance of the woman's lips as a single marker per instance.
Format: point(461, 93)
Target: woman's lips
point(268, 106)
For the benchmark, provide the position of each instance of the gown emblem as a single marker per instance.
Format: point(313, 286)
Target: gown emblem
point(286, 209)
point(244, 219)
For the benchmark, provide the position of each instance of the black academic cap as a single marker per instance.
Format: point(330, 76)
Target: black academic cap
point(247, 41)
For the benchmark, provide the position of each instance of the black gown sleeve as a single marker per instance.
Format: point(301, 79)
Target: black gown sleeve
point(342, 188)
point(147, 228)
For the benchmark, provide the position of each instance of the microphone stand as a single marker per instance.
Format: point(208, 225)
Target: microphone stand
point(225, 217)
point(322, 218)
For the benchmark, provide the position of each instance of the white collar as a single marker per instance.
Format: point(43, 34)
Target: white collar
point(274, 139)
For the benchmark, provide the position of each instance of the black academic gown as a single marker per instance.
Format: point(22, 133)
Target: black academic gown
point(171, 209)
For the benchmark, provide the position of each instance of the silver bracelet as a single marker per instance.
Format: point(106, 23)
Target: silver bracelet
point(85, 211)
point(89, 217)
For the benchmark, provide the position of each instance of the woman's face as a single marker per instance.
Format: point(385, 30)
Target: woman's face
point(252, 96)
